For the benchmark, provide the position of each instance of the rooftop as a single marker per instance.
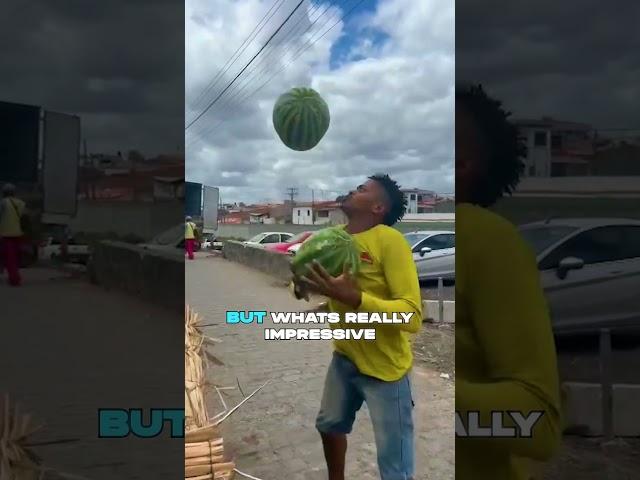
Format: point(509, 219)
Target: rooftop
point(549, 122)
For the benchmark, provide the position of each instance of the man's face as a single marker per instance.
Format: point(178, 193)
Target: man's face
point(368, 198)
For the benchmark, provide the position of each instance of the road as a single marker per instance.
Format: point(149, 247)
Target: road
point(68, 348)
point(273, 436)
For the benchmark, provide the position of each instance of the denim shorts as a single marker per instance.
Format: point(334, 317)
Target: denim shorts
point(390, 407)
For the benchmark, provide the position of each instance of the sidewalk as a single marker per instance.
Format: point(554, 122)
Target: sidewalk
point(273, 436)
point(68, 348)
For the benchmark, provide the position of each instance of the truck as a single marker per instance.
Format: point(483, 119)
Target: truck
point(201, 204)
point(40, 155)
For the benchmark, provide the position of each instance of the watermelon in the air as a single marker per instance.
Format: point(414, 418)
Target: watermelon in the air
point(332, 247)
point(301, 118)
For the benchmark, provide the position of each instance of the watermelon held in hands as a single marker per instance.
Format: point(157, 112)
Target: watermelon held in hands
point(332, 247)
point(301, 118)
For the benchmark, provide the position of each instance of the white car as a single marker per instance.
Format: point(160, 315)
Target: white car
point(434, 252)
point(590, 270)
point(170, 241)
point(266, 238)
point(210, 243)
point(51, 249)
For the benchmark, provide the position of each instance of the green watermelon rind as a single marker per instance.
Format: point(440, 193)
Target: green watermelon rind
point(301, 118)
point(331, 247)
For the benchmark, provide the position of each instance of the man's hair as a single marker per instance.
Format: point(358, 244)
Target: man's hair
point(397, 200)
point(504, 150)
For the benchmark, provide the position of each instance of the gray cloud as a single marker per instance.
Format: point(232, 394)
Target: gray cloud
point(391, 112)
point(571, 61)
point(119, 65)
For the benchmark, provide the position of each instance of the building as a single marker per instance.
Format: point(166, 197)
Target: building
point(617, 157)
point(271, 214)
point(556, 148)
point(168, 188)
point(318, 213)
point(419, 201)
point(136, 183)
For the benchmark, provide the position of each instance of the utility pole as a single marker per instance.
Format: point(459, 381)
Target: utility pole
point(292, 193)
point(313, 211)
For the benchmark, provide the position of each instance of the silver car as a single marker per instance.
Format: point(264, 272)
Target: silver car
point(266, 238)
point(434, 253)
point(590, 270)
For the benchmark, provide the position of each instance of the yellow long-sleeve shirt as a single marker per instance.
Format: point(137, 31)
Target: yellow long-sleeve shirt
point(11, 210)
point(505, 353)
point(189, 231)
point(389, 283)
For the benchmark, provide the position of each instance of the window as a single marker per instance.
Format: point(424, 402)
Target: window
point(539, 239)
point(308, 212)
point(540, 139)
point(413, 196)
point(556, 141)
point(437, 242)
point(598, 245)
point(298, 212)
point(413, 238)
point(323, 214)
point(273, 238)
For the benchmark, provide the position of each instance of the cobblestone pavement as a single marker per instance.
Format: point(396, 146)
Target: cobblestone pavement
point(272, 436)
point(68, 348)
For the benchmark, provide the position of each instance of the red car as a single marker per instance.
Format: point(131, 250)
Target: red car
point(284, 246)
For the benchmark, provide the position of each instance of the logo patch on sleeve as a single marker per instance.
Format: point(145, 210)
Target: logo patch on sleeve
point(366, 258)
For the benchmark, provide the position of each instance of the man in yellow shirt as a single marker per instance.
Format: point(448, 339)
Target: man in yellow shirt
point(505, 352)
point(372, 371)
point(11, 211)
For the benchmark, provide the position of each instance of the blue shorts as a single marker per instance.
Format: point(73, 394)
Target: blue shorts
point(390, 406)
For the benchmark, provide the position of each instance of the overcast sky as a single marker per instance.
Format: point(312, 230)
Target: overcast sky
point(387, 74)
point(577, 61)
point(116, 64)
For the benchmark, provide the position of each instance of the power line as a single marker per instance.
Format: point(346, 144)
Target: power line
point(246, 66)
point(229, 63)
point(247, 81)
point(298, 53)
point(262, 60)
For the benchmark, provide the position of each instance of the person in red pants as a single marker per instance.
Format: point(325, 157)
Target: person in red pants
point(189, 237)
point(11, 211)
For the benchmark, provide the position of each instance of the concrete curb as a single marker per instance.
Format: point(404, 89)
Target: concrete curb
point(431, 311)
point(582, 408)
point(275, 264)
point(147, 274)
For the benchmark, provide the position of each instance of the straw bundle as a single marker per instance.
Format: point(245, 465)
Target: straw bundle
point(204, 449)
point(17, 461)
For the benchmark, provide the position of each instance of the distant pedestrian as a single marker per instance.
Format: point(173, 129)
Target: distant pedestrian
point(190, 229)
point(12, 210)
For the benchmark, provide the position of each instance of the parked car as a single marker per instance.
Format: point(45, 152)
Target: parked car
point(284, 247)
point(169, 241)
point(434, 253)
point(210, 242)
point(51, 249)
point(267, 238)
point(589, 268)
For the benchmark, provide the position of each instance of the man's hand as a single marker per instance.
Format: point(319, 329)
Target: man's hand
point(344, 288)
